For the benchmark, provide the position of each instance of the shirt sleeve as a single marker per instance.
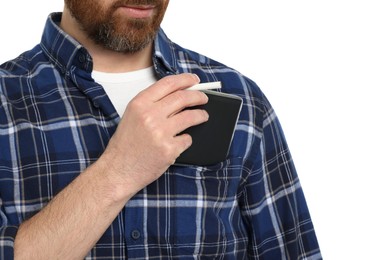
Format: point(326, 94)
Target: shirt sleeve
point(7, 231)
point(274, 207)
point(7, 238)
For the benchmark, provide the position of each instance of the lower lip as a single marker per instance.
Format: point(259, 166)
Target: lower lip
point(137, 13)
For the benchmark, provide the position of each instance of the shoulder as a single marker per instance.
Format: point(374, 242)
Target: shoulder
point(22, 64)
point(16, 72)
point(20, 78)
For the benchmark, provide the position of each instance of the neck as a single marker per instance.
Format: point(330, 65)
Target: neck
point(103, 59)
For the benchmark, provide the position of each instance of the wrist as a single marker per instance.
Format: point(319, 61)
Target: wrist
point(112, 182)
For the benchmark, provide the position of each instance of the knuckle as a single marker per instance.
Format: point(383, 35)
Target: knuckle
point(158, 135)
point(146, 120)
point(180, 96)
point(169, 151)
point(150, 125)
point(169, 80)
point(135, 104)
point(187, 141)
point(198, 115)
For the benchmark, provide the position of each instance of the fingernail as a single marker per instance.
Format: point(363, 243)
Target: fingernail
point(207, 116)
point(196, 77)
point(207, 97)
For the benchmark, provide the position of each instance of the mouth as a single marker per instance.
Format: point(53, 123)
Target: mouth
point(137, 11)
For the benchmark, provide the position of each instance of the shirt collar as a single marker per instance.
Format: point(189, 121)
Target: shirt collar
point(165, 55)
point(66, 53)
point(62, 49)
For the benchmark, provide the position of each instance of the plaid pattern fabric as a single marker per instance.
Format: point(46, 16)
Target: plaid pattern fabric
point(55, 121)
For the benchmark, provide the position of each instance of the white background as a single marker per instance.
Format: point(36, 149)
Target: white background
point(324, 65)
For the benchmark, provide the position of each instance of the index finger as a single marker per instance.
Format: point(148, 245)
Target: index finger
point(168, 85)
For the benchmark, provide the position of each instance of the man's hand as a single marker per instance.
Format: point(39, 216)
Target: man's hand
point(148, 138)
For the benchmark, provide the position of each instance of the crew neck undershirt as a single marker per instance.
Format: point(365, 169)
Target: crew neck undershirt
point(123, 87)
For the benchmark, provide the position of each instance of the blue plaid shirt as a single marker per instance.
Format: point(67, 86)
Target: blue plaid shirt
point(55, 121)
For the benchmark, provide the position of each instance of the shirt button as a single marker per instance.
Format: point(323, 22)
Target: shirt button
point(81, 58)
point(96, 104)
point(135, 234)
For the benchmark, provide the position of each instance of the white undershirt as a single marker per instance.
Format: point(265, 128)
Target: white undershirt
point(122, 87)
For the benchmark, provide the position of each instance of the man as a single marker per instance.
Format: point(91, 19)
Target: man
point(85, 173)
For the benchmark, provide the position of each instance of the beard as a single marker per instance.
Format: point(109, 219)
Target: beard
point(113, 31)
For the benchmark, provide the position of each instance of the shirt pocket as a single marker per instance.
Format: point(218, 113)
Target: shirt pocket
point(218, 180)
point(207, 219)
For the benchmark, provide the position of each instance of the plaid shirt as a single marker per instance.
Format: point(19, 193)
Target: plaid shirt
point(55, 121)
